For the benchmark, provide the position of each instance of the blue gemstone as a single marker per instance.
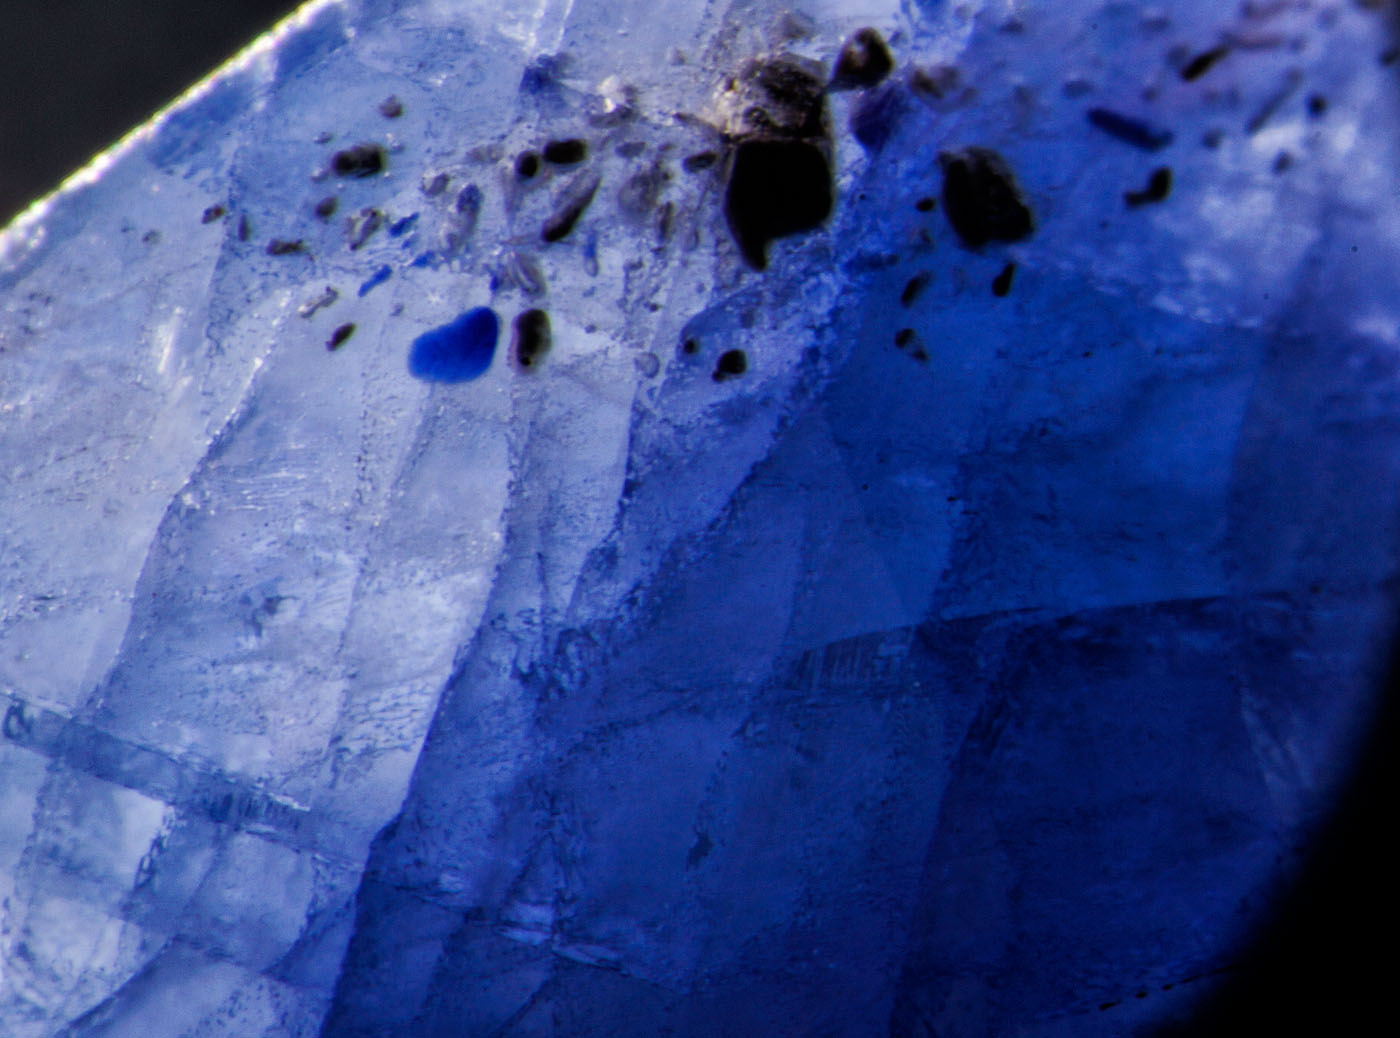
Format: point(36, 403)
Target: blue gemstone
point(459, 351)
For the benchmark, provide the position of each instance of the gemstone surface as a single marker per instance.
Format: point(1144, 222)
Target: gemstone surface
point(920, 558)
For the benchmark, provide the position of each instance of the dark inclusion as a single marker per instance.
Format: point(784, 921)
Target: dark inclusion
point(575, 201)
point(1129, 130)
point(532, 338)
point(363, 160)
point(1001, 284)
point(731, 364)
point(527, 165)
point(865, 60)
point(1159, 186)
point(780, 176)
point(566, 152)
point(339, 336)
point(982, 199)
point(914, 288)
point(1203, 63)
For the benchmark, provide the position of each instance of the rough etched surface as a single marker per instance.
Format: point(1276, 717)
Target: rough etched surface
point(871, 641)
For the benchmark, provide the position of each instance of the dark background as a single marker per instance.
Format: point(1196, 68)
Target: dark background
point(75, 75)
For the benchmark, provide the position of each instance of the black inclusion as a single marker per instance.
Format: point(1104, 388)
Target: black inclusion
point(732, 363)
point(571, 207)
point(699, 161)
point(566, 152)
point(1203, 63)
point(777, 187)
point(339, 336)
point(363, 160)
point(532, 338)
point(982, 199)
point(1001, 284)
point(794, 99)
point(527, 165)
point(1159, 186)
point(864, 61)
point(914, 288)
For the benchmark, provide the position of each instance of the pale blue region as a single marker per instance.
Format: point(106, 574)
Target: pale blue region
point(964, 680)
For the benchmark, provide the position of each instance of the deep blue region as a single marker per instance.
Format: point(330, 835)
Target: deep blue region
point(876, 116)
point(374, 280)
point(459, 351)
point(403, 224)
point(1101, 834)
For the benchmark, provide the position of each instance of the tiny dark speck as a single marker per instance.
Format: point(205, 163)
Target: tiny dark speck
point(981, 198)
point(527, 165)
point(732, 363)
point(904, 337)
point(363, 160)
point(326, 207)
point(339, 336)
point(244, 230)
point(533, 338)
point(1203, 63)
point(1317, 105)
point(282, 247)
point(1129, 130)
point(213, 213)
point(914, 288)
point(1001, 284)
point(925, 205)
point(864, 61)
point(566, 152)
point(1159, 186)
point(391, 107)
point(691, 346)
